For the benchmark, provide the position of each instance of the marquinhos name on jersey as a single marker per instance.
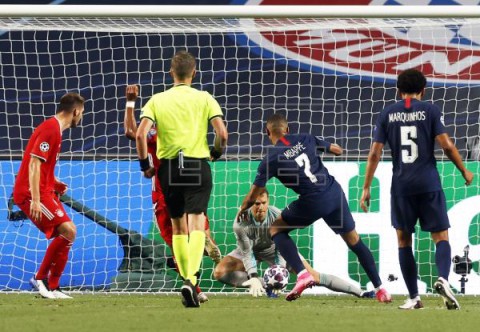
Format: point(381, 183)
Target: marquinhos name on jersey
point(407, 117)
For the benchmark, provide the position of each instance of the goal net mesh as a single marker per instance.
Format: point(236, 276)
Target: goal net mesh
point(330, 77)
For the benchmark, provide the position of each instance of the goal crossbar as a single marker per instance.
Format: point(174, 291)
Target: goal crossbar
point(291, 11)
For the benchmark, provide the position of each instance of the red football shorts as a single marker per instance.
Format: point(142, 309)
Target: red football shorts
point(53, 214)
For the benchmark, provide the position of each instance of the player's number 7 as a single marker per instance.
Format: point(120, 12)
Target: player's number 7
point(302, 160)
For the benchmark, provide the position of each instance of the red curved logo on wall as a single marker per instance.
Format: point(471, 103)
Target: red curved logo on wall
point(445, 53)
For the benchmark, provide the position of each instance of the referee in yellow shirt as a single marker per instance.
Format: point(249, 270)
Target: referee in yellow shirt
point(181, 115)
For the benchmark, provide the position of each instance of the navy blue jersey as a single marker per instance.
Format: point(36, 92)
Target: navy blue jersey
point(410, 127)
point(295, 161)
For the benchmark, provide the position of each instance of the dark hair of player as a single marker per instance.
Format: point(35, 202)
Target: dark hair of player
point(69, 102)
point(183, 64)
point(411, 81)
point(277, 123)
point(263, 191)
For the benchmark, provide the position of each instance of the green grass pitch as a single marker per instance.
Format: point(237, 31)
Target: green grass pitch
point(149, 312)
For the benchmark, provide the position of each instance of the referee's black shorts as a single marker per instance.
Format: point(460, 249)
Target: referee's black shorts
point(186, 190)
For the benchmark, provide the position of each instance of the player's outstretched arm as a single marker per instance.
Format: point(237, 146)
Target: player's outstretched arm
point(452, 153)
point(254, 283)
point(372, 163)
point(335, 149)
point(249, 200)
point(324, 146)
point(129, 121)
point(244, 244)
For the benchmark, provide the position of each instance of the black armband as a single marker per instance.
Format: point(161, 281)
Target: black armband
point(215, 154)
point(144, 164)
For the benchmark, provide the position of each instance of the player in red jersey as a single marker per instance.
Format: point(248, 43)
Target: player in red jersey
point(35, 193)
point(161, 213)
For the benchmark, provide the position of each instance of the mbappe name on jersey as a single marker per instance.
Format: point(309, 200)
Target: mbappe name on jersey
point(294, 151)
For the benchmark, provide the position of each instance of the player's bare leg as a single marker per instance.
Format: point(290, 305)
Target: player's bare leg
point(231, 271)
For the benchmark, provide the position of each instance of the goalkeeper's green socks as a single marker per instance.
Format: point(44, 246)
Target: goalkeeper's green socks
point(180, 251)
point(196, 246)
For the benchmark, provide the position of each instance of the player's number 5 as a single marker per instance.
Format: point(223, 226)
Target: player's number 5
point(407, 133)
point(302, 160)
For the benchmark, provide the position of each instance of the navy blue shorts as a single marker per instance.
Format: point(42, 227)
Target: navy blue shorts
point(429, 208)
point(331, 205)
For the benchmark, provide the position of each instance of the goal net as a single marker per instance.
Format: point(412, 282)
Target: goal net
point(331, 77)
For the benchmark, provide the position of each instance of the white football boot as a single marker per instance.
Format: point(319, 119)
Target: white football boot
point(202, 297)
point(59, 294)
point(443, 288)
point(414, 303)
point(41, 286)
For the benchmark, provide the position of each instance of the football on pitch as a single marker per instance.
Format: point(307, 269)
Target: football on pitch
point(276, 277)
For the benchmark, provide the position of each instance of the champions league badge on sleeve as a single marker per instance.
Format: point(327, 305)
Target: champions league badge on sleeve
point(44, 147)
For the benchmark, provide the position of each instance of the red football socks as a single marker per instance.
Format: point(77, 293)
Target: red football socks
point(55, 259)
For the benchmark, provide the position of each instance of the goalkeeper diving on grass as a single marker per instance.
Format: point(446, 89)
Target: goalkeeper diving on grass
point(254, 245)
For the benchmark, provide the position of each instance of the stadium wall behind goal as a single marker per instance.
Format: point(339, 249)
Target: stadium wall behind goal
point(106, 188)
point(334, 91)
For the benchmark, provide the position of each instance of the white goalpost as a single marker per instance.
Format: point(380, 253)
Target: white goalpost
point(330, 69)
